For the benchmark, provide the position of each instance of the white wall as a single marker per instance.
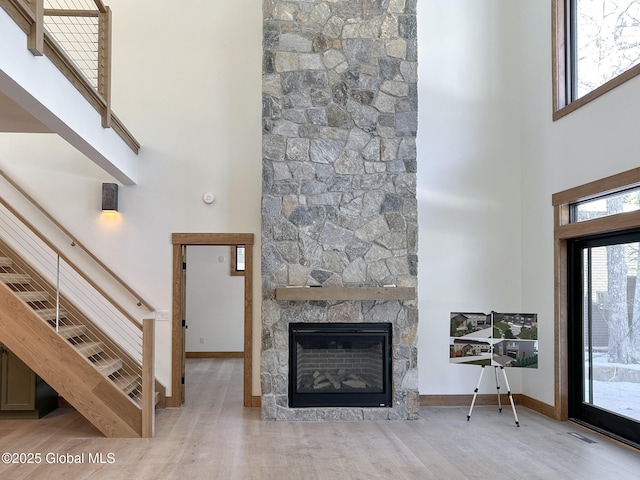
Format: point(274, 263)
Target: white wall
point(490, 157)
point(468, 179)
point(215, 302)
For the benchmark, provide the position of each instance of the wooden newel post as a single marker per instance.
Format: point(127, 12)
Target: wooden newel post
point(35, 40)
point(104, 63)
point(148, 378)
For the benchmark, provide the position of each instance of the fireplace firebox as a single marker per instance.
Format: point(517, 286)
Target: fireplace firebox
point(340, 365)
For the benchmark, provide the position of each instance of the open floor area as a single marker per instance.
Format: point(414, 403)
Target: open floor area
point(213, 437)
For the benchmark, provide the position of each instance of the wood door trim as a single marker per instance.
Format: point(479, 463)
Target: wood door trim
point(176, 324)
point(180, 240)
point(212, 239)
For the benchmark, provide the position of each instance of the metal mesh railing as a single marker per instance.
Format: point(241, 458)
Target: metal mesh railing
point(75, 26)
point(76, 35)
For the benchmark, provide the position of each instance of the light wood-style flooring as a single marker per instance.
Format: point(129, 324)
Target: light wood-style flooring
point(213, 437)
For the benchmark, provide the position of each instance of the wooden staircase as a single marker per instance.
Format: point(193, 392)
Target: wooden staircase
point(69, 352)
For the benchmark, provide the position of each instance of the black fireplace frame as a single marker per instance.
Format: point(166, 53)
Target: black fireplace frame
point(345, 331)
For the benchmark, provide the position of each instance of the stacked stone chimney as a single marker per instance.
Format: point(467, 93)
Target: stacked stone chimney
point(339, 181)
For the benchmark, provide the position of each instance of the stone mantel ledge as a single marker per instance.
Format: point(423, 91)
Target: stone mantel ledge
point(344, 293)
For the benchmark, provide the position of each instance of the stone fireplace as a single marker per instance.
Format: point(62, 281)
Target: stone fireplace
point(339, 211)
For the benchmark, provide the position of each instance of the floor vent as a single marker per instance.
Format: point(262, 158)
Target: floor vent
point(581, 437)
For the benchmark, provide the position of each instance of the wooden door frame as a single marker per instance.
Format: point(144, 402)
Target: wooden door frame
point(565, 231)
point(183, 240)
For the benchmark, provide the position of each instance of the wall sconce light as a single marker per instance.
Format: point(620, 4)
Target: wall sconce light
point(110, 197)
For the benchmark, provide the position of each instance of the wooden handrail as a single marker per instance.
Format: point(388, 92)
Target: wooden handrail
point(24, 15)
point(67, 260)
point(24, 9)
point(49, 217)
point(56, 12)
point(100, 6)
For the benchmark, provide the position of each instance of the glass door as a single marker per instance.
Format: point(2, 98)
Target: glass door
point(604, 334)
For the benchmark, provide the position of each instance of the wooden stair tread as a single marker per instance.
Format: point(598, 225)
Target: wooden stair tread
point(34, 296)
point(15, 278)
point(50, 313)
point(127, 383)
point(5, 262)
point(70, 331)
point(138, 397)
point(88, 349)
point(108, 366)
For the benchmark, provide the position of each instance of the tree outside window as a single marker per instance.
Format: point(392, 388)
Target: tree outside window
point(607, 41)
point(596, 48)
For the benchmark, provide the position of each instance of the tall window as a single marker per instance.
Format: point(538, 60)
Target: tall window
point(596, 48)
point(597, 292)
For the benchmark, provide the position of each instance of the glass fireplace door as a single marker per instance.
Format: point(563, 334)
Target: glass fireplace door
point(340, 365)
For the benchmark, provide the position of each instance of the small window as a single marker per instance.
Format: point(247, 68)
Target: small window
point(237, 260)
point(596, 48)
point(612, 204)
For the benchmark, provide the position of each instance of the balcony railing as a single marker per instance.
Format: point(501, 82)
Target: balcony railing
point(76, 36)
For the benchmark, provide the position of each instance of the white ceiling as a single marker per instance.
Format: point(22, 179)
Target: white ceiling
point(15, 119)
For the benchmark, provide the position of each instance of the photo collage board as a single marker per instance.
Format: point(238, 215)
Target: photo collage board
point(496, 339)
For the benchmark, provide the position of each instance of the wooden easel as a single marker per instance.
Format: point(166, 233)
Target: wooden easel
point(506, 382)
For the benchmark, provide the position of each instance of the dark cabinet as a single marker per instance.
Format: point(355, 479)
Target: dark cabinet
point(22, 393)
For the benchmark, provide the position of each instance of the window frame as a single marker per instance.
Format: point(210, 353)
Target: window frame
point(574, 207)
point(586, 412)
point(564, 232)
point(235, 271)
point(561, 67)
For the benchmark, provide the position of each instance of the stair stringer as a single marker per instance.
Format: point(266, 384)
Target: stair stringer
point(93, 395)
point(79, 318)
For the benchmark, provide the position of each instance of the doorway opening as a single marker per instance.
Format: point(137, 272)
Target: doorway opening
point(214, 304)
point(178, 351)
